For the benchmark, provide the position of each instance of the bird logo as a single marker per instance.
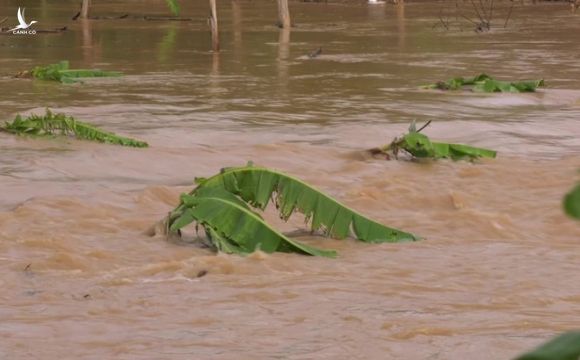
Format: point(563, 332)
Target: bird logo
point(23, 25)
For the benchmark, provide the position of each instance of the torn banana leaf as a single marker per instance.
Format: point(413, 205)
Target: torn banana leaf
point(233, 227)
point(563, 347)
point(572, 203)
point(61, 125)
point(61, 72)
point(255, 186)
point(485, 83)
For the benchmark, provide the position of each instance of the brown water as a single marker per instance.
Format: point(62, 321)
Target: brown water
point(497, 274)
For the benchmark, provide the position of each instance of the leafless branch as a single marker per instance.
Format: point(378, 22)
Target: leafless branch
point(424, 126)
point(509, 15)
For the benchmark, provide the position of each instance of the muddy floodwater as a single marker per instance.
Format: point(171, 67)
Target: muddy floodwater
point(497, 273)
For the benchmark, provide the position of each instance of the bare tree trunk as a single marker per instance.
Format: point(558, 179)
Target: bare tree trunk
point(283, 14)
point(213, 23)
point(283, 56)
point(86, 4)
point(214, 88)
point(87, 47)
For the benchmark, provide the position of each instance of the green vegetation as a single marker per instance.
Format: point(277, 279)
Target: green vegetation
point(233, 227)
point(563, 347)
point(223, 205)
point(572, 203)
point(62, 73)
point(485, 83)
point(173, 6)
point(420, 146)
point(61, 125)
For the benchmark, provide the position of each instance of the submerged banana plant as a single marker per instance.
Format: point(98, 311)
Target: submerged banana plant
point(52, 124)
point(233, 227)
point(485, 83)
point(224, 207)
point(420, 146)
point(62, 73)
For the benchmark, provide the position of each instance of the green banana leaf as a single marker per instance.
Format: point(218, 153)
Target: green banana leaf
point(234, 228)
point(59, 124)
point(485, 83)
point(572, 203)
point(563, 347)
point(173, 6)
point(62, 73)
point(256, 186)
point(420, 146)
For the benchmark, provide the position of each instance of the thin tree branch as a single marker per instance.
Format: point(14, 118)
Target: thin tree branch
point(483, 10)
point(509, 15)
point(468, 19)
point(476, 11)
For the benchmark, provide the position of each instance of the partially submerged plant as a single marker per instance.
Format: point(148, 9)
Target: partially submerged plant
point(173, 6)
point(485, 83)
point(420, 146)
point(563, 347)
point(52, 124)
point(572, 202)
point(62, 73)
point(225, 205)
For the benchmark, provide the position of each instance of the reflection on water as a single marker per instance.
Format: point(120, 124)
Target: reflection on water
point(401, 24)
point(237, 25)
point(168, 43)
point(81, 279)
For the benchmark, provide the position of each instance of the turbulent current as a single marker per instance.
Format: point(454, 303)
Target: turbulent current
point(496, 273)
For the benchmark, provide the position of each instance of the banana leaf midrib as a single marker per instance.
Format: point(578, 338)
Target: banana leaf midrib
point(241, 208)
point(209, 180)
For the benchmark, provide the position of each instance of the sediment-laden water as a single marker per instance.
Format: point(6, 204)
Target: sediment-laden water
point(495, 275)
